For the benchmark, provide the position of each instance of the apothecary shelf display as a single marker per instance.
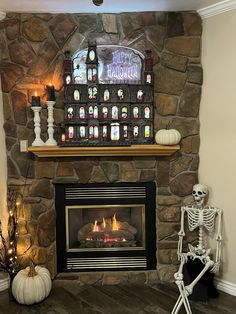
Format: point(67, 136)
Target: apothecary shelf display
point(114, 103)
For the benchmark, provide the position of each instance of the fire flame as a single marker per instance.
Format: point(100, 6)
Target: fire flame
point(95, 226)
point(35, 94)
point(115, 226)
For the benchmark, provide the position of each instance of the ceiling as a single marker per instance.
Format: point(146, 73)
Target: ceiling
point(108, 6)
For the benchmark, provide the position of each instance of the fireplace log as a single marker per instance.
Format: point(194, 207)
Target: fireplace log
point(126, 226)
point(124, 237)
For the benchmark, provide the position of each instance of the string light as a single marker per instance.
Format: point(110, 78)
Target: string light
point(8, 258)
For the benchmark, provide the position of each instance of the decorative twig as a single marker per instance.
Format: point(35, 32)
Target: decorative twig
point(8, 259)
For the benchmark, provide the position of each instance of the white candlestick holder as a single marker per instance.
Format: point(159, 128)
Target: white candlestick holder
point(37, 129)
point(50, 141)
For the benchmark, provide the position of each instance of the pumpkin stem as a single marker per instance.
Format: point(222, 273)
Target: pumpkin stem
point(168, 125)
point(32, 271)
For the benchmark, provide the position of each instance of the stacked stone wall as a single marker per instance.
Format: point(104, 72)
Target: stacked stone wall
point(31, 51)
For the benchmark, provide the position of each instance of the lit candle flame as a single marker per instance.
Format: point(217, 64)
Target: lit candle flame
point(35, 93)
point(50, 84)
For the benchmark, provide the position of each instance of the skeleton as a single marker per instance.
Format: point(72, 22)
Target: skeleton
point(202, 217)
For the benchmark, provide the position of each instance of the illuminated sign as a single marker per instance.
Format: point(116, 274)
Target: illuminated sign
point(122, 67)
point(116, 64)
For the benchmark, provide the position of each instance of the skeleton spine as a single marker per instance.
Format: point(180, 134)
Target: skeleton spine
point(200, 238)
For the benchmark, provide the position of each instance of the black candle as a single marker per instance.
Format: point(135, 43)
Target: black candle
point(50, 92)
point(35, 100)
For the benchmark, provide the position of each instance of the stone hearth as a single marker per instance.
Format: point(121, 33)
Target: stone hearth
point(32, 47)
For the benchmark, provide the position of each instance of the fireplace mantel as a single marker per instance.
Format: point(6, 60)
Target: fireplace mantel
point(102, 151)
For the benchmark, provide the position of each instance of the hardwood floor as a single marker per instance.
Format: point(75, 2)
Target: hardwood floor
point(69, 297)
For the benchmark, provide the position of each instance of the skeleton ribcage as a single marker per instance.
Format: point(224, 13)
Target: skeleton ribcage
point(201, 217)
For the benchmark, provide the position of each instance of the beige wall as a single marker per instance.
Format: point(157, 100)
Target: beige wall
point(218, 127)
point(3, 168)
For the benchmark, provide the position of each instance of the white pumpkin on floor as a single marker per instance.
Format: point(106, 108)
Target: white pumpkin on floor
point(167, 137)
point(31, 285)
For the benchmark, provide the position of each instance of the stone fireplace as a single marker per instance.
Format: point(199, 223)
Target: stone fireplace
point(32, 48)
point(106, 226)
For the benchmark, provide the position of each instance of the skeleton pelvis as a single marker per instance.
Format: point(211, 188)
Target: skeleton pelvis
point(196, 252)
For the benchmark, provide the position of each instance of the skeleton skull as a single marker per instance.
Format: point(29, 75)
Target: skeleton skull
point(199, 193)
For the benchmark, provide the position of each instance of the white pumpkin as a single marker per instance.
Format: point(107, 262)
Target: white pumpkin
point(31, 285)
point(167, 137)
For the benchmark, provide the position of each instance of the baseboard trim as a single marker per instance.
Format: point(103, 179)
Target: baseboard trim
point(226, 286)
point(4, 282)
point(217, 8)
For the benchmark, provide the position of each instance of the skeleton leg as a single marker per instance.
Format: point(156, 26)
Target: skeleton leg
point(183, 299)
point(186, 291)
point(190, 287)
point(183, 296)
point(177, 307)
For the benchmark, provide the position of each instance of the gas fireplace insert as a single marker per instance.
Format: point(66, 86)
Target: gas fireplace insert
point(106, 226)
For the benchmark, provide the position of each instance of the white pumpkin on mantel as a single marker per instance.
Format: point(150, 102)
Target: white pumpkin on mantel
point(31, 285)
point(167, 137)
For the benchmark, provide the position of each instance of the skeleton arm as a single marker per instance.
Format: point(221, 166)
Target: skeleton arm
point(181, 233)
point(218, 245)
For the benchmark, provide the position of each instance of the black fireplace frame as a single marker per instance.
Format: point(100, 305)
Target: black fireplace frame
point(121, 260)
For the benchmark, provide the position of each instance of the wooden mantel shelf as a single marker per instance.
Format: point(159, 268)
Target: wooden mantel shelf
point(133, 150)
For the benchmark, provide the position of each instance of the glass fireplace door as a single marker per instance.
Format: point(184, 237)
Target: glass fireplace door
point(105, 227)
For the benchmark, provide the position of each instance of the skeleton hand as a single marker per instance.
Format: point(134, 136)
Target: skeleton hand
point(215, 268)
point(183, 257)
